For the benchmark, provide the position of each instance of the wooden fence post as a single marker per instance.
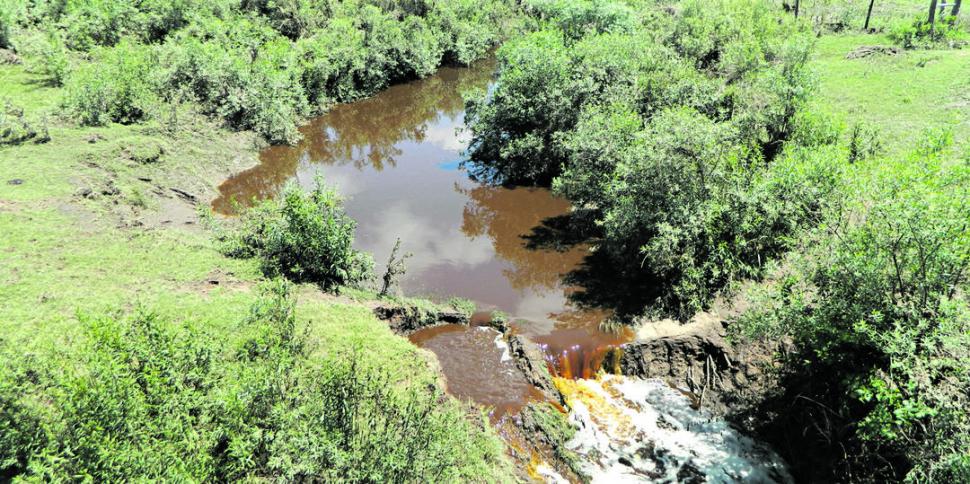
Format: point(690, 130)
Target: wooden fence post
point(869, 15)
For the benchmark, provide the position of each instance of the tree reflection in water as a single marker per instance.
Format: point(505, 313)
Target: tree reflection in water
point(363, 133)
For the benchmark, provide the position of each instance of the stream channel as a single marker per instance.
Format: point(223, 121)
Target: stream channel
point(395, 158)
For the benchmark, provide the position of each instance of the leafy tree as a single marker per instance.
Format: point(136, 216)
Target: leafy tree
point(665, 133)
point(878, 313)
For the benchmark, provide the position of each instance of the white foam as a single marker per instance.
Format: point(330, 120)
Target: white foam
point(502, 345)
point(655, 432)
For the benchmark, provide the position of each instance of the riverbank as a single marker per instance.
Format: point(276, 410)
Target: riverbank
point(90, 228)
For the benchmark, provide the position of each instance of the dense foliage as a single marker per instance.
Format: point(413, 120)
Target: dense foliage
point(666, 124)
point(141, 398)
point(303, 236)
point(258, 65)
point(919, 32)
point(876, 306)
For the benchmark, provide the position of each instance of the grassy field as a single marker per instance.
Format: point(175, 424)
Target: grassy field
point(88, 230)
point(901, 95)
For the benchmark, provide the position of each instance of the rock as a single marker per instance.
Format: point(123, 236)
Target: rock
point(452, 317)
point(110, 189)
point(184, 195)
point(94, 138)
point(700, 361)
point(690, 474)
point(500, 325)
point(15, 181)
point(531, 361)
point(145, 152)
point(406, 318)
point(870, 50)
point(548, 430)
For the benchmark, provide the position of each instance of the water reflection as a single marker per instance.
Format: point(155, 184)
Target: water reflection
point(504, 216)
point(394, 157)
point(366, 133)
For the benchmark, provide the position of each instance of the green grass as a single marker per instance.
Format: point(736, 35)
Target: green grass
point(902, 95)
point(65, 254)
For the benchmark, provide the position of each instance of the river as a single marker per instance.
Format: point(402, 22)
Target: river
point(395, 158)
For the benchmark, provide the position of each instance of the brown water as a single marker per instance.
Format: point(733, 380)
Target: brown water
point(395, 158)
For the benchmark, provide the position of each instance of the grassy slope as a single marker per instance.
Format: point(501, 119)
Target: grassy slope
point(902, 95)
point(62, 253)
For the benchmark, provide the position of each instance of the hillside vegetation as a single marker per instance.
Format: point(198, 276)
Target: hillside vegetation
point(263, 66)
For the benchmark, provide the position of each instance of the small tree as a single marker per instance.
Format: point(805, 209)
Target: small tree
point(305, 237)
point(395, 268)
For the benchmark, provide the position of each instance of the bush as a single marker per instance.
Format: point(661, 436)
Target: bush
point(120, 87)
point(14, 127)
point(463, 306)
point(513, 128)
point(864, 142)
point(917, 33)
point(305, 237)
point(55, 62)
point(93, 23)
point(6, 23)
point(259, 65)
point(877, 309)
point(577, 19)
point(139, 399)
point(469, 28)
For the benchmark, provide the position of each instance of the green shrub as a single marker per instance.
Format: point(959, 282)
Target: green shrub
point(259, 65)
point(120, 87)
point(663, 132)
point(470, 28)
point(462, 305)
point(811, 128)
point(140, 398)
point(92, 23)
point(918, 33)
point(577, 19)
point(864, 142)
point(513, 128)
point(877, 309)
point(331, 59)
point(55, 62)
point(14, 127)
point(305, 237)
point(242, 71)
point(934, 141)
point(6, 23)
